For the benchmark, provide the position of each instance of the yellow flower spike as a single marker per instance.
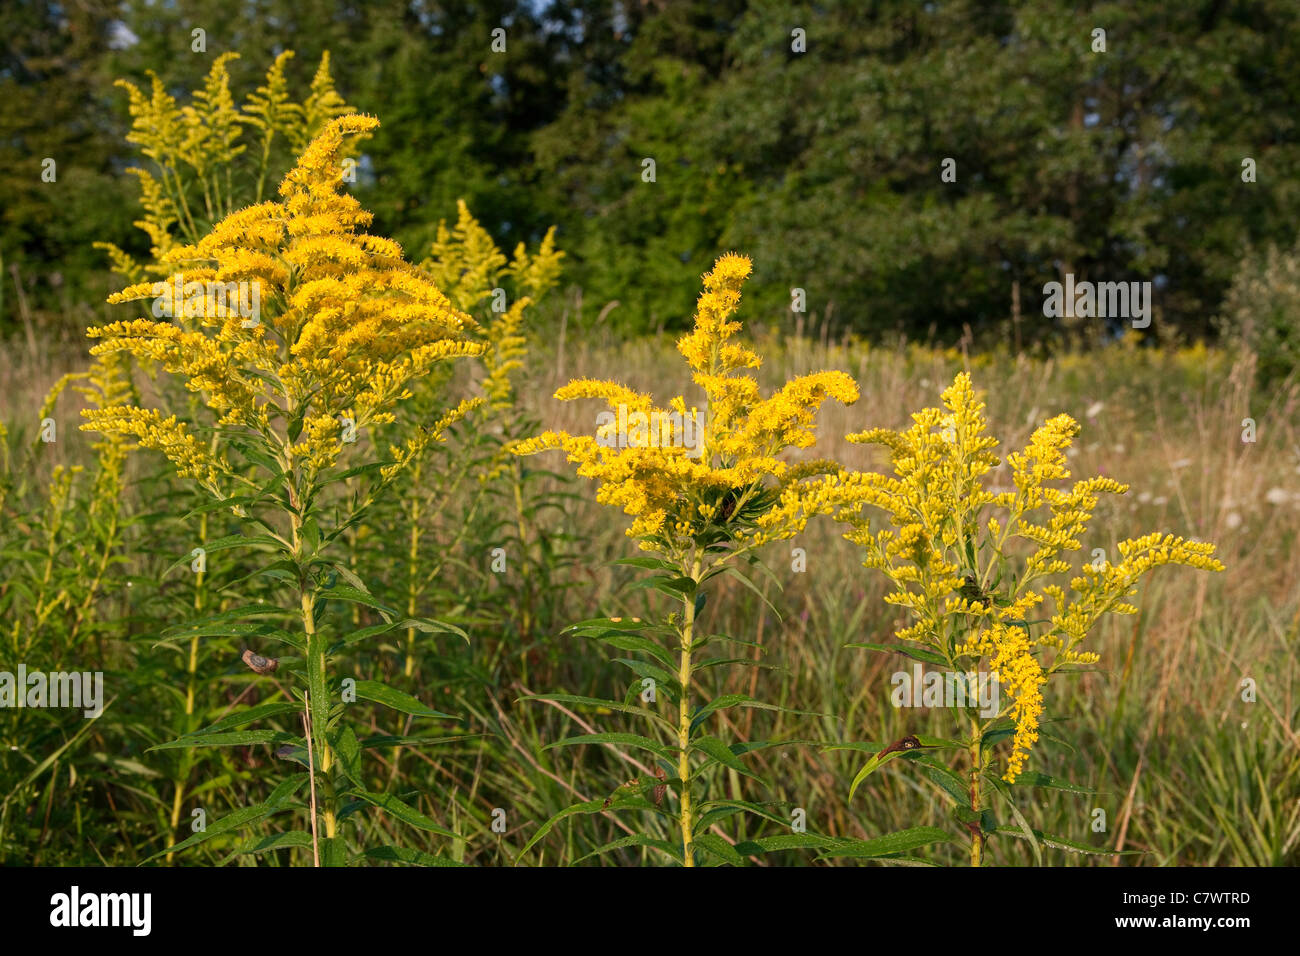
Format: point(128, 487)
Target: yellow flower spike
point(693, 475)
point(953, 565)
point(167, 435)
point(343, 324)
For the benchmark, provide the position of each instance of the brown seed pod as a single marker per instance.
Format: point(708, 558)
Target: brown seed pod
point(258, 663)
point(905, 743)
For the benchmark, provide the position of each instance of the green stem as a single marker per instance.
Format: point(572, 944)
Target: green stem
point(684, 720)
point(977, 837)
point(318, 707)
point(191, 678)
point(317, 702)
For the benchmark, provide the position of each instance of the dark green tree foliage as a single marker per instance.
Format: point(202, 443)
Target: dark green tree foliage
point(593, 160)
point(53, 106)
point(825, 165)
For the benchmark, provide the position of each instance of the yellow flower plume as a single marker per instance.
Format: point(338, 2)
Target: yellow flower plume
point(287, 317)
point(692, 474)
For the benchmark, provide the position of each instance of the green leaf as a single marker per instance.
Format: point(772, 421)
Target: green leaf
point(310, 536)
point(652, 564)
point(424, 624)
point(394, 854)
point(241, 818)
point(723, 754)
point(674, 586)
point(636, 839)
point(1026, 830)
point(716, 845)
point(730, 661)
point(216, 623)
point(225, 544)
point(407, 814)
point(249, 714)
point(599, 625)
point(898, 842)
point(319, 704)
point(277, 841)
point(591, 806)
point(782, 841)
point(872, 766)
point(1061, 843)
point(635, 642)
point(662, 678)
point(947, 780)
point(995, 736)
point(1032, 778)
point(710, 638)
point(353, 595)
point(333, 851)
point(241, 738)
point(728, 569)
point(380, 693)
point(715, 810)
point(731, 700)
point(384, 741)
point(866, 746)
point(349, 754)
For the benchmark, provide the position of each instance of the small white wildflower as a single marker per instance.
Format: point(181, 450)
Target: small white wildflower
point(1277, 496)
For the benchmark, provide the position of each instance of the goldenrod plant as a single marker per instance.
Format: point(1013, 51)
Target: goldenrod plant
point(503, 294)
point(208, 158)
point(62, 563)
point(505, 498)
point(701, 484)
point(203, 160)
point(979, 574)
point(346, 325)
point(465, 261)
point(97, 513)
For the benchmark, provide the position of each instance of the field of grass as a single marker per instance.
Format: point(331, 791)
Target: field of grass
point(1182, 768)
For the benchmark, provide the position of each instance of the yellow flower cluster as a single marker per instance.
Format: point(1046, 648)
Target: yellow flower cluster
point(465, 262)
point(693, 475)
point(951, 566)
point(1010, 654)
point(166, 435)
point(194, 149)
point(344, 322)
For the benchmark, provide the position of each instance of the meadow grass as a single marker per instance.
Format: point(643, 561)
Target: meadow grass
point(1186, 772)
